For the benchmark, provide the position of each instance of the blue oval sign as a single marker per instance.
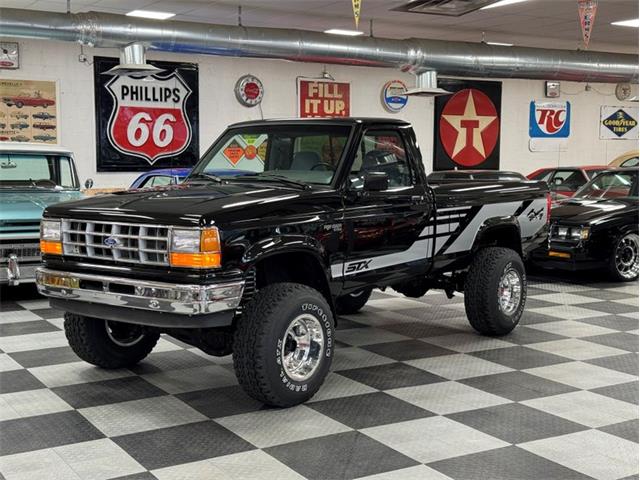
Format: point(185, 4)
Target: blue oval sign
point(393, 97)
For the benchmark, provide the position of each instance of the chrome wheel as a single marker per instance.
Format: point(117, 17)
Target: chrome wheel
point(626, 256)
point(303, 343)
point(123, 334)
point(509, 291)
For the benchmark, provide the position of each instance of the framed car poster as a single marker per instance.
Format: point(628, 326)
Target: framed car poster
point(467, 125)
point(146, 121)
point(29, 111)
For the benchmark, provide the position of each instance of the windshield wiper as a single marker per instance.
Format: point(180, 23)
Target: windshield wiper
point(276, 177)
point(207, 176)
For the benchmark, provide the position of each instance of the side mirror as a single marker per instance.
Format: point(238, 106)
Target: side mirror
point(375, 182)
point(88, 183)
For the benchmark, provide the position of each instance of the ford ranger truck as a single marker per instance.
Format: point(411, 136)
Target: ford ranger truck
point(260, 265)
point(31, 177)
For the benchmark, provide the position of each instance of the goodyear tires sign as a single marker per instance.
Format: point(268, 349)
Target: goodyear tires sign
point(618, 123)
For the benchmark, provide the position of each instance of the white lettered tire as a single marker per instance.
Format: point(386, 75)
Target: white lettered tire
point(283, 344)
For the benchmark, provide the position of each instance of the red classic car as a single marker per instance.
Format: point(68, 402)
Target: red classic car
point(29, 99)
point(564, 182)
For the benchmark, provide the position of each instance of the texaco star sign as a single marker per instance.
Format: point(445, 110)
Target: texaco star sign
point(469, 127)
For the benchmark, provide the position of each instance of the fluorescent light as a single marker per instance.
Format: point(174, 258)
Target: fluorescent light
point(628, 23)
point(500, 44)
point(502, 3)
point(150, 14)
point(340, 31)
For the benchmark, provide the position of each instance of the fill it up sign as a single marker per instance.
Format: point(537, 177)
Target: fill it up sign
point(319, 98)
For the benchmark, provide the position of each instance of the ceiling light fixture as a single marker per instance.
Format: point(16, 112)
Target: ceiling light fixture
point(628, 23)
point(500, 44)
point(502, 3)
point(340, 31)
point(151, 14)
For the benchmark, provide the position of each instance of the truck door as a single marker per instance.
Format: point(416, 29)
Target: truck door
point(386, 230)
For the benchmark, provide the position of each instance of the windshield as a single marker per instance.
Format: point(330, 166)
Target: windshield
point(34, 170)
point(301, 153)
point(611, 185)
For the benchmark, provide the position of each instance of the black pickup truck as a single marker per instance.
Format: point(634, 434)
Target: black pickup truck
point(260, 265)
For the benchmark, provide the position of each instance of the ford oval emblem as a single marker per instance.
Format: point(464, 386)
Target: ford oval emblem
point(110, 242)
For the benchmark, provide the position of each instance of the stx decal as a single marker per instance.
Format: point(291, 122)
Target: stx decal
point(358, 266)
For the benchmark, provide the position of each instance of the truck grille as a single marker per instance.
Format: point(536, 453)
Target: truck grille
point(26, 252)
point(120, 242)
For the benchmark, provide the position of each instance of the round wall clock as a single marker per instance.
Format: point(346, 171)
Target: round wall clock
point(623, 91)
point(249, 91)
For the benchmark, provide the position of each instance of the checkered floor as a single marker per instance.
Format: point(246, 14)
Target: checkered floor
point(414, 394)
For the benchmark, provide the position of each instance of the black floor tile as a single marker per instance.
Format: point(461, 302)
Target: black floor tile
point(342, 456)
point(621, 340)
point(627, 363)
point(627, 392)
point(407, 350)
point(182, 444)
point(520, 357)
point(420, 329)
point(611, 307)
point(392, 375)
point(25, 328)
point(46, 356)
point(45, 431)
point(171, 360)
point(118, 390)
point(18, 381)
point(221, 402)
point(517, 386)
point(509, 463)
point(627, 430)
point(516, 423)
point(369, 410)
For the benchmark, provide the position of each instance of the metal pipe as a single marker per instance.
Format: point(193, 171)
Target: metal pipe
point(447, 58)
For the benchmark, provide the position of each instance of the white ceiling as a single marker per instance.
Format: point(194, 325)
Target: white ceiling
point(538, 23)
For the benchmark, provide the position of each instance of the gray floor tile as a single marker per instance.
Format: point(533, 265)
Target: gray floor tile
point(181, 444)
point(407, 350)
point(25, 328)
point(520, 357)
point(612, 307)
point(341, 456)
point(17, 381)
point(627, 430)
point(614, 322)
point(44, 357)
point(509, 463)
point(516, 423)
point(627, 392)
point(221, 402)
point(621, 340)
point(627, 363)
point(45, 431)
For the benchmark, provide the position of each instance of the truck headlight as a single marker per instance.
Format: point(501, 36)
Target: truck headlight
point(580, 233)
point(50, 237)
point(195, 248)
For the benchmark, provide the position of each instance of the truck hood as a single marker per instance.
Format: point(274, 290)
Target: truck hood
point(189, 204)
point(28, 205)
point(589, 211)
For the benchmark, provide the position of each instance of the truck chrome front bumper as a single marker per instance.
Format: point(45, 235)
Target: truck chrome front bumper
point(170, 298)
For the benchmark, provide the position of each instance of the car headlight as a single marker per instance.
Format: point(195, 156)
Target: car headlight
point(195, 248)
point(571, 233)
point(50, 237)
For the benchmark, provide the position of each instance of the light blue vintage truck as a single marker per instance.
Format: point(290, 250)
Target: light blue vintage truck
point(31, 177)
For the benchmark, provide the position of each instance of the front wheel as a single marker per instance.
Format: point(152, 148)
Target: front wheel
point(108, 344)
point(623, 262)
point(283, 344)
point(495, 291)
point(353, 302)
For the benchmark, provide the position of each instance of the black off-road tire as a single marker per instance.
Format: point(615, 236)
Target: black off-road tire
point(89, 339)
point(612, 268)
point(352, 303)
point(481, 291)
point(258, 344)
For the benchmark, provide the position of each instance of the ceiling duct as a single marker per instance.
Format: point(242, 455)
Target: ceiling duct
point(452, 8)
point(426, 85)
point(133, 62)
point(447, 58)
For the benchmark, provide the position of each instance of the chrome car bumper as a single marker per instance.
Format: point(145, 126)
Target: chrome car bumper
point(166, 298)
point(14, 272)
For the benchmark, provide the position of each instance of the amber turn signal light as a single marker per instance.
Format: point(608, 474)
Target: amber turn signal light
point(196, 260)
point(50, 248)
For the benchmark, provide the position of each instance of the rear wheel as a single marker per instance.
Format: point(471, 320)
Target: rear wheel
point(623, 263)
point(495, 291)
point(108, 344)
point(353, 302)
point(283, 344)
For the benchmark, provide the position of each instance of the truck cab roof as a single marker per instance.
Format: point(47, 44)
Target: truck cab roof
point(367, 121)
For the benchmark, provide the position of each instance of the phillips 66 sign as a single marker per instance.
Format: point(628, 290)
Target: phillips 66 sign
point(145, 121)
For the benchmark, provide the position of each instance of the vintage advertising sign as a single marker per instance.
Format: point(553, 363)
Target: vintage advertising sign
point(146, 121)
point(249, 91)
point(467, 125)
point(393, 96)
point(549, 119)
point(618, 123)
point(28, 111)
point(321, 98)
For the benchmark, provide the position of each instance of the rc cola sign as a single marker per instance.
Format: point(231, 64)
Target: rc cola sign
point(147, 121)
point(549, 119)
